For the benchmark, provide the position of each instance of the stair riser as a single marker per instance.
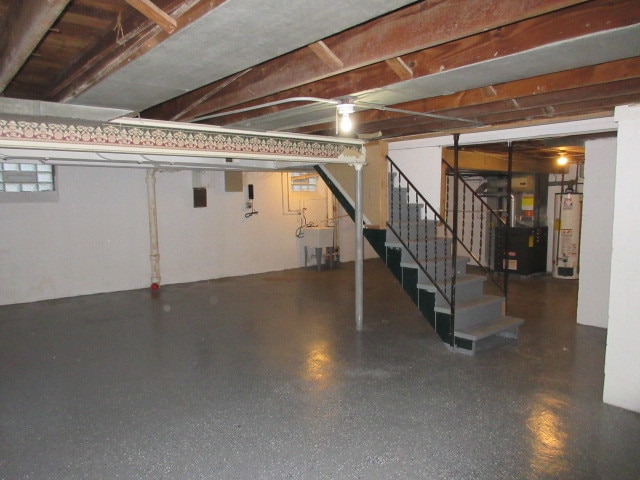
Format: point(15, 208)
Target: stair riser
point(442, 326)
point(435, 248)
point(412, 231)
point(432, 268)
point(464, 291)
point(478, 314)
point(399, 195)
point(426, 303)
point(412, 213)
point(395, 256)
point(392, 259)
point(410, 282)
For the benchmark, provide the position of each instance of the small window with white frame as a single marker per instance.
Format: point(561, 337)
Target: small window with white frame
point(303, 181)
point(27, 182)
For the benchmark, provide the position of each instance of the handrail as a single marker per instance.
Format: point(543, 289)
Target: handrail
point(418, 194)
point(495, 220)
point(466, 184)
point(438, 222)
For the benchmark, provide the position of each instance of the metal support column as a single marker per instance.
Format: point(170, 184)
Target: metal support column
point(454, 248)
point(153, 228)
point(359, 248)
point(510, 214)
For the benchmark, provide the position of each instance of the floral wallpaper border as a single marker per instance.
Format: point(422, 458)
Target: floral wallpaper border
point(120, 135)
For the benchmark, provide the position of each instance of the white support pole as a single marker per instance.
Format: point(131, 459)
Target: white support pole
point(153, 228)
point(359, 248)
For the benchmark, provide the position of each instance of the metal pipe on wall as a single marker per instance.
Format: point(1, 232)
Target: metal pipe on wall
point(153, 228)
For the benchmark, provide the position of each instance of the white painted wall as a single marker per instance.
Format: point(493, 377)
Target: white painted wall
point(218, 241)
point(422, 165)
point(96, 237)
point(622, 361)
point(597, 232)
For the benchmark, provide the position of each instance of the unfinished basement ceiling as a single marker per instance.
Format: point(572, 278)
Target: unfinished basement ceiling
point(110, 55)
point(542, 150)
point(413, 67)
point(575, 53)
point(236, 35)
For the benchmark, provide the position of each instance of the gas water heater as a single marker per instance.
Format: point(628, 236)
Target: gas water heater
point(566, 232)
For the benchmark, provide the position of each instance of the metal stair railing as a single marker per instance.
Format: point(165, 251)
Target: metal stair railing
point(477, 229)
point(424, 234)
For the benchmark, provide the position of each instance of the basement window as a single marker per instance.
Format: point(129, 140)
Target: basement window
point(303, 182)
point(27, 182)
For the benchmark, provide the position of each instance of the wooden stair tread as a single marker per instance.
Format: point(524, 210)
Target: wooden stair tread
point(486, 329)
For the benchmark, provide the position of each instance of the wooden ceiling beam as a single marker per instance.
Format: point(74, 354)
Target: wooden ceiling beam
point(620, 88)
point(443, 129)
point(25, 25)
point(205, 97)
point(597, 16)
point(604, 104)
point(413, 28)
point(581, 101)
point(325, 54)
point(110, 54)
point(155, 14)
point(400, 68)
point(559, 83)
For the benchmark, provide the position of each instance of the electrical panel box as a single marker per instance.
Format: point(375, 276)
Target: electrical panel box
point(232, 181)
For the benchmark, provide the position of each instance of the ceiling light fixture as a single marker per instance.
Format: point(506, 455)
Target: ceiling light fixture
point(562, 160)
point(344, 110)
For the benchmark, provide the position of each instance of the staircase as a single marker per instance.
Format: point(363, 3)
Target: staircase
point(418, 247)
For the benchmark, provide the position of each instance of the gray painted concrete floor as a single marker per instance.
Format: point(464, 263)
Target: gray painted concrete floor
point(264, 377)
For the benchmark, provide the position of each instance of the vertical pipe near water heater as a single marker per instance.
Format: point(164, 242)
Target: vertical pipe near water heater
point(153, 228)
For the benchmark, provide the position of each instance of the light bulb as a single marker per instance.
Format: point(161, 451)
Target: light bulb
point(344, 110)
point(345, 123)
point(562, 160)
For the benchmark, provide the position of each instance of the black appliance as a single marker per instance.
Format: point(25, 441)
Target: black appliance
point(527, 250)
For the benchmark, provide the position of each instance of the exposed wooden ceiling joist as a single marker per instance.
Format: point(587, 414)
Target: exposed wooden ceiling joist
point(410, 29)
point(112, 52)
point(400, 68)
point(605, 78)
point(325, 54)
point(527, 35)
point(592, 88)
point(155, 14)
point(24, 26)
